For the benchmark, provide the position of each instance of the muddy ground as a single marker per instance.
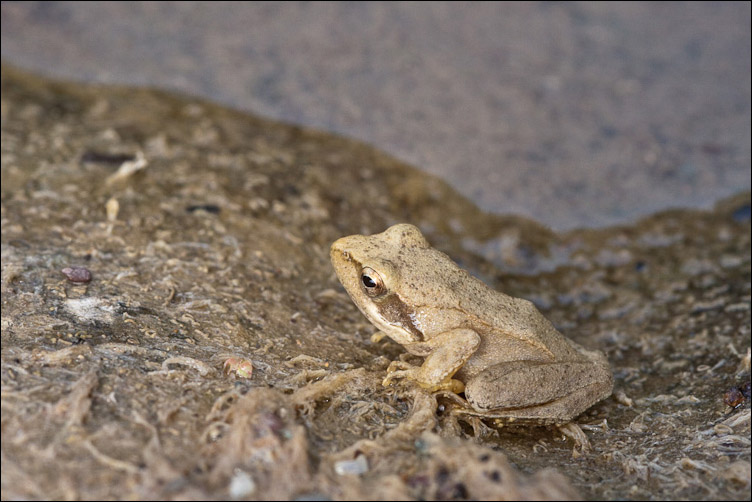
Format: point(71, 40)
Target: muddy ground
point(212, 352)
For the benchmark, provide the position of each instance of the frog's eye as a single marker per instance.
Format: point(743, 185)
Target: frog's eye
point(372, 282)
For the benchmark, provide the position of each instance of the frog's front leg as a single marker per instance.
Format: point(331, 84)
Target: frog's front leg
point(444, 353)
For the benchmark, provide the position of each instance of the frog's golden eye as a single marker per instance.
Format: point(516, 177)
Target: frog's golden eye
point(372, 282)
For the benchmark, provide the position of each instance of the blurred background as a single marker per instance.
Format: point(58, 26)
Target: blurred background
point(575, 114)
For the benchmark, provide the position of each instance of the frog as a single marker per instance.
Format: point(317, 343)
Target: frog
point(498, 355)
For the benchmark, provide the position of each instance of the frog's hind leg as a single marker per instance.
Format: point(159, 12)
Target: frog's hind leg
point(525, 390)
point(576, 434)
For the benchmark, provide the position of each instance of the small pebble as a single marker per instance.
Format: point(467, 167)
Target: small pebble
point(77, 274)
point(112, 207)
point(357, 466)
point(733, 397)
point(241, 368)
point(242, 485)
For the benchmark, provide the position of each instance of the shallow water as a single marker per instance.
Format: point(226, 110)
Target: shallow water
point(574, 114)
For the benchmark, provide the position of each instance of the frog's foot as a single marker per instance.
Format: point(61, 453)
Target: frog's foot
point(457, 402)
point(378, 336)
point(399, 369)
point(575, 433)
point(403, 370)
point(399, 366)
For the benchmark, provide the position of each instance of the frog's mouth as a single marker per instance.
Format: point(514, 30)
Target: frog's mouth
point(399, 317)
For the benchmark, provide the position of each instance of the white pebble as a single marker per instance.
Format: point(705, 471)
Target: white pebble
point(242, 485)
point(357, 466)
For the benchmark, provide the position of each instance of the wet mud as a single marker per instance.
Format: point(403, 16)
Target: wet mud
point(172, 327)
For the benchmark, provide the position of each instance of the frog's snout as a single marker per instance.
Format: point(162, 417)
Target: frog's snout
point(337, 252)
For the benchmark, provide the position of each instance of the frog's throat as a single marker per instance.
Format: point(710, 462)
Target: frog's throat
point(390, 314)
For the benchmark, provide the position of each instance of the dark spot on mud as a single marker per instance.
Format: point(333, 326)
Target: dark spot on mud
point(106, 158)
point(209, 208)
point(741, 214)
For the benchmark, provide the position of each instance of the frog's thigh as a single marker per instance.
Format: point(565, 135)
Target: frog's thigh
point(525, 384)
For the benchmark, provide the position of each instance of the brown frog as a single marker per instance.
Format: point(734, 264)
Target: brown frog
point(507, 358)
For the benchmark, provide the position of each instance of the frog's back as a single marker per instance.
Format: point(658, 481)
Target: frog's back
point(499, 315)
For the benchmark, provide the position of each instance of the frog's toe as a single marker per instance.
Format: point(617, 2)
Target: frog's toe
point(390, 378)
point(576, 434)
point(398, 374)
point(378, 336)
point(398, 366)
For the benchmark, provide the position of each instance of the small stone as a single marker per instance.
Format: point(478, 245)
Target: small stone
point(112, 208)
point(241, 368)
point(77, 274)
point(242, 485)
point(357, 466)
point(733, 397)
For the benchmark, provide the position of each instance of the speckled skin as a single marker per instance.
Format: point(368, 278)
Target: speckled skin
point(501, 351)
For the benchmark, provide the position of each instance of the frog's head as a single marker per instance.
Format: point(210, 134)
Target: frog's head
point(369, 269)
